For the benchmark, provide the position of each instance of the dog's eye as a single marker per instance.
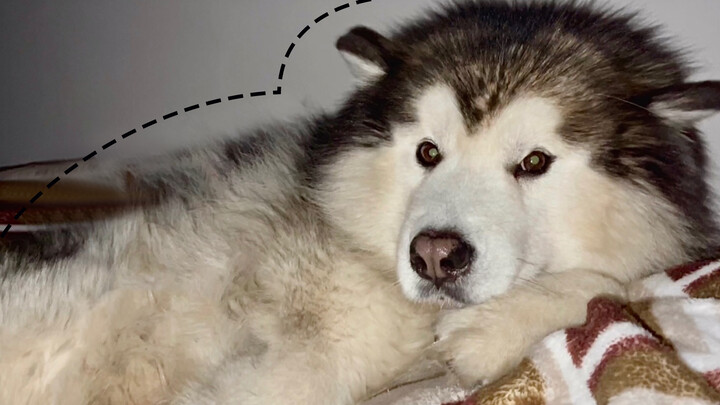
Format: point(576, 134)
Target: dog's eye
point(533, 164)
point(428, 154)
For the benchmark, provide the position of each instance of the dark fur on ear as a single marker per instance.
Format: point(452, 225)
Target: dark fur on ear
point(369, 54)
point(683, 105)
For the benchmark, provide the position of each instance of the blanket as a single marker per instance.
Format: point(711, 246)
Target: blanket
point(661, 348)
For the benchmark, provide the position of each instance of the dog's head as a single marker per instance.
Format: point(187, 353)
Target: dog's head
point(491, 142)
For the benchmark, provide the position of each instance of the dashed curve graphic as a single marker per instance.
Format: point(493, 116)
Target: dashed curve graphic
point(262, 93)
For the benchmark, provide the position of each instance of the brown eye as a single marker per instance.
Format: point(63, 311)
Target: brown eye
point(428, 154)
point(535, 163)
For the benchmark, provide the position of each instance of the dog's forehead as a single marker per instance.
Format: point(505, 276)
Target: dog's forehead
point(525, 118)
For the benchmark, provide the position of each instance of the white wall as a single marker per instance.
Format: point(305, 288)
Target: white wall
point(75, 74)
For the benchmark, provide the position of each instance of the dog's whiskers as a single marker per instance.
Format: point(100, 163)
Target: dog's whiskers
point(626, 102)
point(520, 259)
point(530, 283)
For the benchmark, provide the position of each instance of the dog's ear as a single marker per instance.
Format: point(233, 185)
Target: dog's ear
point(368, 54)
point(686, 104)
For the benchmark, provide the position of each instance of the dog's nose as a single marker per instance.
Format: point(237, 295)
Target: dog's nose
point(440, 256)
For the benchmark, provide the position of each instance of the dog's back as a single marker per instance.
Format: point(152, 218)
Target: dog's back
point(226, 256)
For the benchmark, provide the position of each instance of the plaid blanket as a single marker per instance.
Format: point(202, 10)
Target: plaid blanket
point(661, 348)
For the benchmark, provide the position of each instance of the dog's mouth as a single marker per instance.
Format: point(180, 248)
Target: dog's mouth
point(448, 295)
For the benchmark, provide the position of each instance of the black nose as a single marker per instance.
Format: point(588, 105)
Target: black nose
point(440, 256)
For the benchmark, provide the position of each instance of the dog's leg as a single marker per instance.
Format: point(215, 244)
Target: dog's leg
point(481, 343)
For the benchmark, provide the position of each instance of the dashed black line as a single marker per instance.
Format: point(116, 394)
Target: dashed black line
point(89, 156)
point(71, 168)
point(53, 182)
point(277, 91)
point(38, 195)
point(304, 30)
point(170, 115)
point(109, 144)
point(290, 49)
point(321, 17)
point(128, 133)
point(149, 124)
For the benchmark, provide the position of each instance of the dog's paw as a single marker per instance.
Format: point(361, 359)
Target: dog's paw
point(478, 345)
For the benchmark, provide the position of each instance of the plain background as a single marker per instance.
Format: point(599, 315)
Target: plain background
point(76, 74)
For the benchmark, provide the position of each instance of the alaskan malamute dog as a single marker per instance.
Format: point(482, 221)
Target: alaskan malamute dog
point(507, 160)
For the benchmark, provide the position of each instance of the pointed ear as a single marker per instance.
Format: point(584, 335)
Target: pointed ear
point(686, 104)
point(368, 54)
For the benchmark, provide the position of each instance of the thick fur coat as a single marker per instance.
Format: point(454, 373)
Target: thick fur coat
point(279, 266)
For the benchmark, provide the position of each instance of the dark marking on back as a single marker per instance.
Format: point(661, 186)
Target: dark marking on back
point(242, 151)
point(43, 246)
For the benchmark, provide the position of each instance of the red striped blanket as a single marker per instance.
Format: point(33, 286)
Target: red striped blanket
point(661, 348)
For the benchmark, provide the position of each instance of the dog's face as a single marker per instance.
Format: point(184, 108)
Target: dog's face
point(498, 164)
point(496, 204)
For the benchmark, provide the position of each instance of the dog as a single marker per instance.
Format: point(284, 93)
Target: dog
point(498, 165)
